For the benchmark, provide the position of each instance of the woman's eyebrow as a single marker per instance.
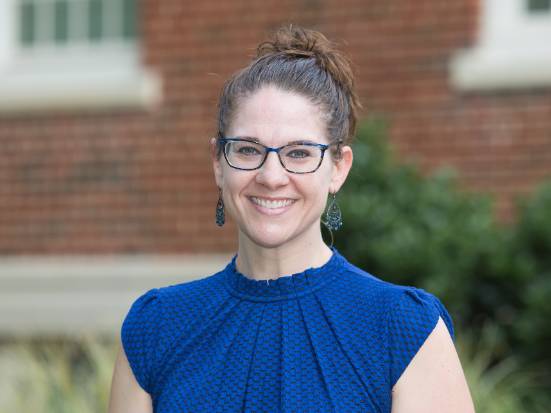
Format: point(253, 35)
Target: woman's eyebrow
point(249, 138)
point(294, 142)
point(301, 141)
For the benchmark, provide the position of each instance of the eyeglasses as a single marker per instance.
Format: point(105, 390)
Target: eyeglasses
point(298, 158)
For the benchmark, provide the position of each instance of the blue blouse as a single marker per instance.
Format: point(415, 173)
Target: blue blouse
point(329, 339)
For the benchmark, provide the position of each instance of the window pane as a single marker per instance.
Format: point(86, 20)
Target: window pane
point(28, 21)
point(78, 20)
point(61, 21)
point(539, 5)
point(129, 19)
point(95, 20)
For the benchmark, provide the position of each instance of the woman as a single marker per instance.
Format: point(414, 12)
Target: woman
point(289, 325)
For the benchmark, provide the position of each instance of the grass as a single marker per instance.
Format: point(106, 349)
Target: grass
point(501, 386)
point(56, 376)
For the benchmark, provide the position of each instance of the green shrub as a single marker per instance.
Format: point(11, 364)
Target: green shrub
point(425, 231)
point(531, 249)
point(411, 229)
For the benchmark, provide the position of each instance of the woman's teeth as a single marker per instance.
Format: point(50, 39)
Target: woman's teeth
point(272, 204)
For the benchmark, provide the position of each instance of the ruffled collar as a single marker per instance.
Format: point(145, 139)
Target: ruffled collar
point(285, 287)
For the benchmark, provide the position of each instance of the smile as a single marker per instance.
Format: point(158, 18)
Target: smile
point(271, 203)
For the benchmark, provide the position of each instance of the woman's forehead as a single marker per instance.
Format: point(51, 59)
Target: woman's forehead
point(278, 101)
point(274, 115)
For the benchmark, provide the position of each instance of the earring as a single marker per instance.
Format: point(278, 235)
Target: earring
point(333, 215)
point(220, 216)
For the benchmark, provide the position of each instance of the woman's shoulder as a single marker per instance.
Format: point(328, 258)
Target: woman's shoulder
point(193, 296)
point(401, 303)
point(177, 302)
point(406, 314)
point(160, 315)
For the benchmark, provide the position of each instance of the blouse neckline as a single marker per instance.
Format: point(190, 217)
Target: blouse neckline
point(285, 287)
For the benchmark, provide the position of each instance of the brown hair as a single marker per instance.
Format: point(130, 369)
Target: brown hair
point(302, 61)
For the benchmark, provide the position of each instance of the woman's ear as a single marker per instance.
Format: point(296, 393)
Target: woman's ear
point(341, 167)
point(216, 166)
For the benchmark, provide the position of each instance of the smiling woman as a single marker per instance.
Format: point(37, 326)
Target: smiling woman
point(289, 325)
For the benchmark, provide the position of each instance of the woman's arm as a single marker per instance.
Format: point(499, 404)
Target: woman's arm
point(126, 394)
point(434, 381)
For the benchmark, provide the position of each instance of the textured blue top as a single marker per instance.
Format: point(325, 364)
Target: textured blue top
point(329, 339)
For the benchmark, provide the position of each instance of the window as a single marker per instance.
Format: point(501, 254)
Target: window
point(71, 54)
point(513, 48)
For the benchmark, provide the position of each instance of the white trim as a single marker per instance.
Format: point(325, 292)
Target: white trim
point(78, 83)
point(72, 294)
point(512, 50)
point(8, 31)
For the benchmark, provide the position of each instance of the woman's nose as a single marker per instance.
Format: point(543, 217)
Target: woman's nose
point(272, 173)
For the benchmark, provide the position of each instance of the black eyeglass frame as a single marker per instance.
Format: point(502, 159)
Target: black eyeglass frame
point(224, 140)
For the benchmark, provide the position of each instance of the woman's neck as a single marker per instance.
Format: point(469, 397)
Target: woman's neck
point(262, 263)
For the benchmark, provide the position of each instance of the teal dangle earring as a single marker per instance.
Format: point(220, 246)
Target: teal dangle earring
point(220, 215)
point(333, 215)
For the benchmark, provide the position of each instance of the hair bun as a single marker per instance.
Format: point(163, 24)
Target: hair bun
point(299, 42)
point(295, 41)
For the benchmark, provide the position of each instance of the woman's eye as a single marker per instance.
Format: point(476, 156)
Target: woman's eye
point(247, 150)
point(299, 153)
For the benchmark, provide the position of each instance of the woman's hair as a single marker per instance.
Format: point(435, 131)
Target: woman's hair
point(302, 61)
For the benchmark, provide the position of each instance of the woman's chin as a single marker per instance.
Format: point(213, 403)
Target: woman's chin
point(269, 239)
point(269, 242)
point(277, 234)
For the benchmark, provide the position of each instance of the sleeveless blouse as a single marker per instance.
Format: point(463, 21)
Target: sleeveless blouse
point(329, 339)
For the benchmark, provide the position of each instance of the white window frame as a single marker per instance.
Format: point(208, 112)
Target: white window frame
point(75, 77)
point(511, 50)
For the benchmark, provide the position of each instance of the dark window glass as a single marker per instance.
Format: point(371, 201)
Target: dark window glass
point(28, 24)
point(60, 22)
point(129, 19)
point(61, 27)
point(95, 20)
point(539, 5)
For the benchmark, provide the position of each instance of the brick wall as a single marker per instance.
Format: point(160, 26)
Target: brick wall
point(140, 181)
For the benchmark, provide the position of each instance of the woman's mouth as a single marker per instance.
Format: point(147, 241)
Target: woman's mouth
point(272, 206)
point(272, 203)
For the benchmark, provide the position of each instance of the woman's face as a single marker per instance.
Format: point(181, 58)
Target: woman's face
point(270, 205)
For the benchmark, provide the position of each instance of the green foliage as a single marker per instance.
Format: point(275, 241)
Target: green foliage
point(425, 231)
point(410, 229)
point(65, 376)
point(531, 245)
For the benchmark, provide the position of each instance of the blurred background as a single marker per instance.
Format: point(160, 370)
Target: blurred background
point(106, 189)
